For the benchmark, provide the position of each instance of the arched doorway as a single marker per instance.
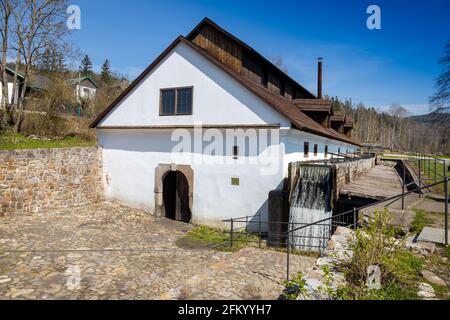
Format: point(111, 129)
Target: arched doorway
point(176, 196)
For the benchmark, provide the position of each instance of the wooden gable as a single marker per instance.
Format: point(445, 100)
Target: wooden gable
point(244, 60)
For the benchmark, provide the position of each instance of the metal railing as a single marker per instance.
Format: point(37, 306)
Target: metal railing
point(241, 229)
point(354, 212)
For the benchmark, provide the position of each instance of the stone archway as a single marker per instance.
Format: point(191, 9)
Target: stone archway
point(160, 173)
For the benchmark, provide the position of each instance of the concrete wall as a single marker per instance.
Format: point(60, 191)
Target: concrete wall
point(344, 173)
point(410, 174)
point(45, 179)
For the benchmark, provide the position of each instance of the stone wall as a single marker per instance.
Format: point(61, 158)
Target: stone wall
point(45, 179)
point(343, 173)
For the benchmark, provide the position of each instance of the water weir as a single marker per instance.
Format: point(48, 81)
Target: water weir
point(310, 201)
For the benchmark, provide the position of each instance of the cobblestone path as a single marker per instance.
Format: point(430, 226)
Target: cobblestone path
point(107, 251)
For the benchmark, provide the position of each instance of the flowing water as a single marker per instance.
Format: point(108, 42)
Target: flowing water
point(311, 202)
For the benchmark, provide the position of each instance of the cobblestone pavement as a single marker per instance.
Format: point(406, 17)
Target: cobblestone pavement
point(107, 251)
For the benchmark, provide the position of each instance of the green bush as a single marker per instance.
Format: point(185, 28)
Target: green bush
point(378, 245)
point(293, 288)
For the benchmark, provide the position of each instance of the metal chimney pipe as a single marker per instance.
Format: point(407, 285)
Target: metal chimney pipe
point(319, 79)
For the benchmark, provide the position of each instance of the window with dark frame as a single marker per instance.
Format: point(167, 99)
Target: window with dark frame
point(176, 101)
point(306, 150)
point(316, 150)
point(326, 151)
point(235, 152)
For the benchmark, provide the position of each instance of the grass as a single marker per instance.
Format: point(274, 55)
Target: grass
point(391, 157)
point(427, 170)
point(206, 237)
point(18, 141)
point(420, 221)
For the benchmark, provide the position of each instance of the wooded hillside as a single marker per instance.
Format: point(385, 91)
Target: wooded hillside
point(397, 130)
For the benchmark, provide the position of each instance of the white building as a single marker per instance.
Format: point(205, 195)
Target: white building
point(196, 81)
point(85, 87)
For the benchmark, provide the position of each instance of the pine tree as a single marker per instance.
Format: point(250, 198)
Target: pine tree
point(46, 61)
point(106, 72)
point(86, 66)
point(51, 61)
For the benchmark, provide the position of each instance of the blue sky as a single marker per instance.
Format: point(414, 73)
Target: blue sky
point(378, 67)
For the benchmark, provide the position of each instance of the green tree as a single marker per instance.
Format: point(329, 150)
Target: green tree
point(86, 66)
point(106, 75)
point(52, 61)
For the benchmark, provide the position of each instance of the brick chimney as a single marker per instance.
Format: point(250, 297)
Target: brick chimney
point(319, 78)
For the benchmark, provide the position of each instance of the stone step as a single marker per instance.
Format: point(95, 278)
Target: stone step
point(432, 235)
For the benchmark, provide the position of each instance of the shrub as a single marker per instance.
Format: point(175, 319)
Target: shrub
point(294, 288)
point(47, 125)
point(377, 245)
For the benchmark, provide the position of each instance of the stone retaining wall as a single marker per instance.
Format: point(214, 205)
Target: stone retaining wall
point(343, 173)
point(44, 179)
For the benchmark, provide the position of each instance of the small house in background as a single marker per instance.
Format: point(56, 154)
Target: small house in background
point(38, 83)
point(10, 76)
point(85, 87)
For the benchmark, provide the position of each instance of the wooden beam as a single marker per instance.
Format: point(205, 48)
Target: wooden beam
point(208, 126)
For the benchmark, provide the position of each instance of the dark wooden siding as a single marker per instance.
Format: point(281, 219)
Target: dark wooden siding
point(251, 69)
point(220, 46)
point(288, 91)
point(348, 132)
point(338, 126)
point(320, 117)
point(274, 83)
point(246, 62)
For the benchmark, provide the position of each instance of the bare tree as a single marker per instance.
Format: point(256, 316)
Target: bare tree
point(6, 12)
point(278, 62)
point(397, 112)
point(36, 25)
point(440, 101)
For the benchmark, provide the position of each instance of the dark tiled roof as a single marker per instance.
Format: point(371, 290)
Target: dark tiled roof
point(39, 82)
point(338, 116)
point(12, 72)
point(74, 81)
point(348, 122)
